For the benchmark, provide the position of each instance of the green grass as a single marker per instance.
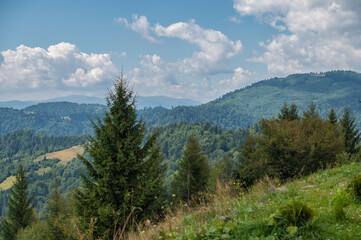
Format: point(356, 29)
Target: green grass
point(251, 215)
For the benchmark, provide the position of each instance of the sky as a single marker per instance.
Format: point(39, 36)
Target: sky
point(190, 49)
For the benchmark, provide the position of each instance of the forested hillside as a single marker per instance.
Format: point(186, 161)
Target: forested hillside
point(215, 142)
point(244, 107)
point(26, 147)
point(55, 119)
point(30, 148)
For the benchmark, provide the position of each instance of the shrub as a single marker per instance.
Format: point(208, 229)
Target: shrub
point(340, 200)
point(295, 213)
point(355, 187)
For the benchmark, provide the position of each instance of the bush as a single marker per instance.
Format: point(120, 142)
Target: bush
point(340, 200)
point(295, 213)
point(355, 187)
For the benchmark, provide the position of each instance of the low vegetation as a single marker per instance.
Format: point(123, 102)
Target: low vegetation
point(307, 208)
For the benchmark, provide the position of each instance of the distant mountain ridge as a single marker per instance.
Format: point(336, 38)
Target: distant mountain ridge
point(264, 99)
point(238, 109)
point(142, 102)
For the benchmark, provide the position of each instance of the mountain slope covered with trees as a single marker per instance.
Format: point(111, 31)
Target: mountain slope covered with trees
point(244, 107)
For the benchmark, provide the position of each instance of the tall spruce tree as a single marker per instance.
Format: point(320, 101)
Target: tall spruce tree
point(352, 135)
point(332, 117)
point(20, 212)
point(288, 114)
point(193, 173)
point(311, 112)
point(125, 176)
point(56, 216)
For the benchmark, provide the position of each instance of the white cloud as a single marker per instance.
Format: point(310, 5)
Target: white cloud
point(140, 25)
point(181, 77)
point(239, 79)
point(61, 66)
point(318, 35)
point(235, 19)
point(215, 46)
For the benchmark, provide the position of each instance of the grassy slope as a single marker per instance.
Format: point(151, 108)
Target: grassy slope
point(7, 183)
point(247, 216)
point(65, 155)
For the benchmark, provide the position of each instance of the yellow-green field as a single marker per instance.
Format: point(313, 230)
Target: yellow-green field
point(7, 183)
point(65, 155)
point(41, 171)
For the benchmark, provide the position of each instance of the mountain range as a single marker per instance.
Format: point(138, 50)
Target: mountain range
point(142, 102)
point(264, 99)
point(238, 109)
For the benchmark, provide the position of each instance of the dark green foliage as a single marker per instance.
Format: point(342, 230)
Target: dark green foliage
point(288, 114)
point(56, 217)
point(36, 231)
point(355, 187)
point(20, 212)
point(352, 135)
point(56, 119)
point(193, 173)
point(288, 149)
point(311, 111)
point(295, 213)
point(225, 170)
point(124, 175)
point(332, 117)
point(215, 142)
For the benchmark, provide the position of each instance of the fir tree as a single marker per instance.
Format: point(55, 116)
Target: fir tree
point(293, 113)
point(124, 182)
point(56, 216)
point(283, 115)
point(288, 114)
point(225, 170)
point(20, 212)
point(352, 135)
point(311, 111)
point(332, 117)
point(193, 173)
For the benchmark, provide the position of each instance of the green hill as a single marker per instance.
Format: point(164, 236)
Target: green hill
point(55, 119)
point(250, 215)
point(264, 99)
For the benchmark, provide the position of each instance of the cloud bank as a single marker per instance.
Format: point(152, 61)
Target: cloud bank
point(60, 67)
point(314, 35)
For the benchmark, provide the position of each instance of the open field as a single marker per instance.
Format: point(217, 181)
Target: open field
point(7, 183)
point(65, 155)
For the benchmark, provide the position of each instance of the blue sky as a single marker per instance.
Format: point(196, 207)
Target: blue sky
point(184, 49)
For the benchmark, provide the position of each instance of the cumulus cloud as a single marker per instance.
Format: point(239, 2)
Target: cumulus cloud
point(140, 25)
point(239, 79)
point(61, 66)
point(214, 46)
point(181, 77)
point(315, 35)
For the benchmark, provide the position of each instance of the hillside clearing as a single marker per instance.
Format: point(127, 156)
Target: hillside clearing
point(65, 155)
point(7, 183)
